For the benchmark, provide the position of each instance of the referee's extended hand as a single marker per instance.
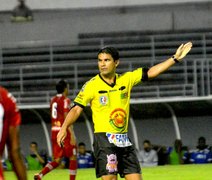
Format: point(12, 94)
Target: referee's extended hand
point(61, 136)
point(182, 51)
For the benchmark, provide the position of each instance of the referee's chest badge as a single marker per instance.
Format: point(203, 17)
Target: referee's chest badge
point(103, 100)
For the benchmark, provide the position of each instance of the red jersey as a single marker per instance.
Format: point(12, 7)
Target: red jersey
point(9, 116)
point(59, 106)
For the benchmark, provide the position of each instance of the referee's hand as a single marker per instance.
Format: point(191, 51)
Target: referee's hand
point(182, 51)
point(60, 137)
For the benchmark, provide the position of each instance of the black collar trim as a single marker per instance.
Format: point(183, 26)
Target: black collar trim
point(111, 85)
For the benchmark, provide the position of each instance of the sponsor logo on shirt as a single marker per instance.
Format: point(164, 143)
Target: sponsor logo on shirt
point(118, 119)
point(124, 95)
point(103, 100)
point(120, 140)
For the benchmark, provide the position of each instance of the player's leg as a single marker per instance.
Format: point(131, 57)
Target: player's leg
point(70, 151)
point(128, 164)
point(133, 177)
point(73, 168)
point(109, 177)
point(49, 167)
point(73, 164)
point(105, 158)
point(57, 154)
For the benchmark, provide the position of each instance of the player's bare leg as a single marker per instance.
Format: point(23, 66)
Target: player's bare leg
point(109, 177)
point(133, 177)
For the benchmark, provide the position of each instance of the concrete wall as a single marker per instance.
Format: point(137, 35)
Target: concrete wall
point(65, 25)
point(64, 4)
point(32, 132)
point(161, 131)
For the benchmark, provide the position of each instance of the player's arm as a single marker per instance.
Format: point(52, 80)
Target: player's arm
point(40, 159)
point(15, 154)
point(181, 52)
point(71, 117)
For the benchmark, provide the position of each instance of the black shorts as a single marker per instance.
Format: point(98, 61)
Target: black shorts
point(110, 159)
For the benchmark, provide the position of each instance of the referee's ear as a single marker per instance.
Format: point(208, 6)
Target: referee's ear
point(117, 62)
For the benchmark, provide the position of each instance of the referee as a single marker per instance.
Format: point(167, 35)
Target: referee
point(108, 94)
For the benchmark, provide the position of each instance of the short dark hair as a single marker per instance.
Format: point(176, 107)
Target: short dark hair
point(110, 50)
point(81, 144)
point(147, 141)
point(201, 138)
point(35, 143)
point(60, 86)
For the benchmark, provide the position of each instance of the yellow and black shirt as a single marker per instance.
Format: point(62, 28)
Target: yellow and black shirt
point(110, 103)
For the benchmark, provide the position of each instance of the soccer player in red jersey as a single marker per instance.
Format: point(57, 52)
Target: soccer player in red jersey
point(59, 108)
point(10, 120)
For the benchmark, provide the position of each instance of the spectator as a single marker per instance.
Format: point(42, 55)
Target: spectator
point(21, 13)
point(202, 153)
point(148, 156)
point(84, 158)
point(162, 153)
point(176, 155)
point(36, 160)
point(10, 119)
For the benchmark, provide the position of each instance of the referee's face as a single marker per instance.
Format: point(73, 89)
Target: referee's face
point(107, 65)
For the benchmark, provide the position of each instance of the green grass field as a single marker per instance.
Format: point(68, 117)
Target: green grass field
point(182, 172)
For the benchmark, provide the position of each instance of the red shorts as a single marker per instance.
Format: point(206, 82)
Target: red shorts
point(67, 150)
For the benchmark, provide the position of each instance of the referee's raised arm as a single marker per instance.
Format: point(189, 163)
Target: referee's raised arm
point(181, 52)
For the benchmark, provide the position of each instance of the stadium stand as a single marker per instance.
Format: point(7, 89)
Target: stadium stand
point(30, 72)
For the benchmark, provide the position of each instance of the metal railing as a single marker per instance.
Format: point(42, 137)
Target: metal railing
point(36, 84)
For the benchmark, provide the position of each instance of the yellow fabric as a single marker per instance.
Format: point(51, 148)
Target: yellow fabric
point(110, 105)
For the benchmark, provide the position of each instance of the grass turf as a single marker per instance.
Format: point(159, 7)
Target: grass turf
point(178, 172)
